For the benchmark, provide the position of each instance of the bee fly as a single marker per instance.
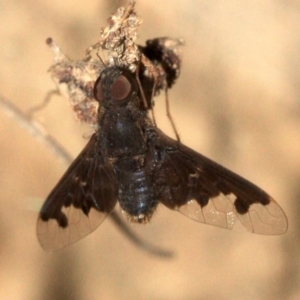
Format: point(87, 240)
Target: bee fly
point(130, 161)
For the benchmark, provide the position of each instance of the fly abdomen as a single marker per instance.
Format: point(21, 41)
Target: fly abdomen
point(137, 197)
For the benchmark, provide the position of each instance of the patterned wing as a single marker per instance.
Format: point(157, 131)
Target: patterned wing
point(209, 193)
point(79, 202)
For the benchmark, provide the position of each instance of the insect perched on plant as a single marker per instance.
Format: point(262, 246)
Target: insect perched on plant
point(130, 161)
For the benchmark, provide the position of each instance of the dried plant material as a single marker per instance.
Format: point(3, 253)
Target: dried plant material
point(75, 80)
point(119, 37)
point(158, 63)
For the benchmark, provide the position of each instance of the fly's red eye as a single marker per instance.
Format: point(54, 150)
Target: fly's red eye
point(121, 88)
point(98, 91)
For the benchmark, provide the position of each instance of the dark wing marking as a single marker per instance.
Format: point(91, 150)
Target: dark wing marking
point(209, 193)
point(79, 202)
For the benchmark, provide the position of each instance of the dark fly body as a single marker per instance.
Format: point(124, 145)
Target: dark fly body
point(130, 161)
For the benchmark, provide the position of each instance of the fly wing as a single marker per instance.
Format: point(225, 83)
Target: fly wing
point(209, 193)
point(78, 204)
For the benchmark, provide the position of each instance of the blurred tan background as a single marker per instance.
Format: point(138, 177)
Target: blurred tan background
point(236, 101)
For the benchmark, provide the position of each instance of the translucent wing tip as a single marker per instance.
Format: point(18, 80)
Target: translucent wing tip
point(268, 219)
point(53, 237)
point(220, 211)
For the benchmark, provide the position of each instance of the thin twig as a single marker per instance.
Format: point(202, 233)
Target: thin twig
point(115, 217)
point(36, 130)
point(39, 133)
point(42, 105)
